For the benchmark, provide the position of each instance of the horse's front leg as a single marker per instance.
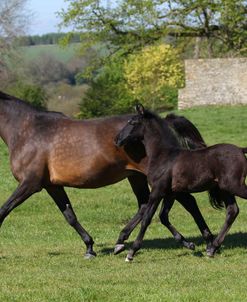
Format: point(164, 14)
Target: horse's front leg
point(232, 211)
point(140, 188)
point(62, 201)
point(148, 214)
point(23, 191)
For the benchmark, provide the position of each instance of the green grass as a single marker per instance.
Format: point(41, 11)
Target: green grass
point(41, 257)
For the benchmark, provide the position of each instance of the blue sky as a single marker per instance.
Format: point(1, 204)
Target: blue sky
point(44, 18)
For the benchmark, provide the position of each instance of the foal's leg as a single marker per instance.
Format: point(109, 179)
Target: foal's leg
point(62, 201)
point(140, 188)
point(232, 211)
point(148, 214)
point(164, 218)
point(189, 203)
point(23, 191)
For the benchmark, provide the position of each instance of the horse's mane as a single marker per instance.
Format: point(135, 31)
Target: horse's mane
point(185, 132)
point(188, 134)
point(167, 132)
point(148, 114)
point(28, 106)
point(5, 96)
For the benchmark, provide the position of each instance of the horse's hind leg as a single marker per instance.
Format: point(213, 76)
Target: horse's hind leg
point(189, 203)
point(140, 188)
point(24, 190)
point(164, 218)
point(62, 201)
point(232, 211)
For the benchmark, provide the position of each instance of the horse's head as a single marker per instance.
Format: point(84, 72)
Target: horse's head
point(133, 129)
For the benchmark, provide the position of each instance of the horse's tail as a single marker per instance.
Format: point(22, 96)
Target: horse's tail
point(215, 198)
point(189, 135)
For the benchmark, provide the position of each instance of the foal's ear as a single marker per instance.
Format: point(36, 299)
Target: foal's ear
point(140, 109)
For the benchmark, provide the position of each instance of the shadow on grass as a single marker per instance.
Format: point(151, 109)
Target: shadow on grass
point(234, 240)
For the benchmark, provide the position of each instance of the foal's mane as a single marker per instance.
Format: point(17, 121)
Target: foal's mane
point(167, 133)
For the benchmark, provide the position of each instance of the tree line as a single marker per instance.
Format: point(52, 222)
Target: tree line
point(46, 39)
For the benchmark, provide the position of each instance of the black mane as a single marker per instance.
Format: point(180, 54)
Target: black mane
point(167, 131)
point(188, 134)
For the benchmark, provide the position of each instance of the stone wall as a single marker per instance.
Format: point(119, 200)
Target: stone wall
point(214, 82)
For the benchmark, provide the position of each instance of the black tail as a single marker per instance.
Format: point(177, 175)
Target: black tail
point(215, 198)
point(188, 133)
point(244, 150)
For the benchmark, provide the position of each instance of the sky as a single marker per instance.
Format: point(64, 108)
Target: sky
point(44, 18)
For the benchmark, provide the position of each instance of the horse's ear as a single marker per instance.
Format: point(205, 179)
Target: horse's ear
point(140, 109)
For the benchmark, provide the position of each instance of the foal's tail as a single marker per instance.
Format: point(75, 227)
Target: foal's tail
point(215, 198)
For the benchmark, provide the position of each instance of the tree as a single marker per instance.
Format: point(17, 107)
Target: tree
point(31, 93)
point(128, 25)
point(153, 74)
point(13, 22)
point(108, 93)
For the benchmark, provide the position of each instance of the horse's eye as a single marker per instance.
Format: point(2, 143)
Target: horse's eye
point(133, 122)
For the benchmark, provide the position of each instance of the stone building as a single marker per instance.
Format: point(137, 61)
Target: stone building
point(214, 82)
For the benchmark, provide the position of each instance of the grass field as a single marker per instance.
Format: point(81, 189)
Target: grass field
point(41, 257)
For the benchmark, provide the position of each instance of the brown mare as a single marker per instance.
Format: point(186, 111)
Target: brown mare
point(49, 150)
point(221, 168)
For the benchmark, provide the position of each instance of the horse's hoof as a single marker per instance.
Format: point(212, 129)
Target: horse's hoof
point(210, 253)
point(119, 248)
point(129, 259)
point(88, 256)
point(189, 245)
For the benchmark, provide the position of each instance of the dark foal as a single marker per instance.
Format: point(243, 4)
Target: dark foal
point(221, 167)
point(49, 150)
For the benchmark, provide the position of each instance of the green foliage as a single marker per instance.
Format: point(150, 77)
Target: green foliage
point(108, 94)
point(127, 30)
point(153, 74)
point(32, 93)
point(127, 26)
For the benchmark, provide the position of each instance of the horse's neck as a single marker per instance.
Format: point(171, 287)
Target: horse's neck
point(12, 119)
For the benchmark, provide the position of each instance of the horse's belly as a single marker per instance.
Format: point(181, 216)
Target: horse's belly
point(191, 181)
point(86, 173)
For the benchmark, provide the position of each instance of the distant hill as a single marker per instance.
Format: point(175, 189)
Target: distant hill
point(62, 54)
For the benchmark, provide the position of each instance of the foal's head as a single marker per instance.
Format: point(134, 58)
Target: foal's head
point(138, 125)
point(133, 129)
